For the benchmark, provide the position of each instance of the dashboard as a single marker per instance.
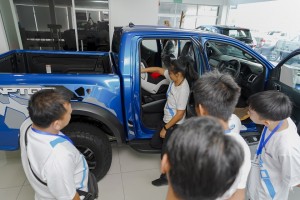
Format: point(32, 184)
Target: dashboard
point(251, 76)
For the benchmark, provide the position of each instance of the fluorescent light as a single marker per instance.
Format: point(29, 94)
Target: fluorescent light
point(100, 1)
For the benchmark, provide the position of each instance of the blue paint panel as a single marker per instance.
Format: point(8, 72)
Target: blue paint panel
point(9, 137)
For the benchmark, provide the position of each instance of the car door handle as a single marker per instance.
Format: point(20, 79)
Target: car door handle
point(130, 124)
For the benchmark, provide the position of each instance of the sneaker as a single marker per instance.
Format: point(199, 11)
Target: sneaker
point(162, 180)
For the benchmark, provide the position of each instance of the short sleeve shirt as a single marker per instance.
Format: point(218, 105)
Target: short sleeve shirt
point(281, 159)
point(177, 98)
point(55, 161)
point(241, 179)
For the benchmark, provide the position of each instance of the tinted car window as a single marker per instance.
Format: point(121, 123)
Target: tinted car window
point(230, 50)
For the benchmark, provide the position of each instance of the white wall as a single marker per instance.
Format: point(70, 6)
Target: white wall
point(139, 12)
point(3, 39)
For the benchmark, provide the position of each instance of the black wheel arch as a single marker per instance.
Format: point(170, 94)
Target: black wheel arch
point(102, 115)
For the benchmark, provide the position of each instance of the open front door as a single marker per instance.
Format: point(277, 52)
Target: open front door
point(286, 78)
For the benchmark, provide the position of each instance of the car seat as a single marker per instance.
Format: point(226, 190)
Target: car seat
point(152, 83)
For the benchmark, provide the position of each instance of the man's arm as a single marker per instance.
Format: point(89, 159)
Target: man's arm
point(76, 197)
point(238, 195)
point(178, 116)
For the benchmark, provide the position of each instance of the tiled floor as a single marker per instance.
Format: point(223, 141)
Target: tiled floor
point(129, 177)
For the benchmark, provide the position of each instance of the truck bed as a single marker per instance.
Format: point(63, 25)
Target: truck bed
point(56, 62)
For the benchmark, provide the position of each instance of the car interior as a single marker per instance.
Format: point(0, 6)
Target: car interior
point(246, 70)
point(153, 101)
point(243, 67)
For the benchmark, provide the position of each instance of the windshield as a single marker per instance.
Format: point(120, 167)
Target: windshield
point(237, 33)
point(230, 50)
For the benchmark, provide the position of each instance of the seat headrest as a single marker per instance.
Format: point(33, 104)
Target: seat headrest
point(186, 49)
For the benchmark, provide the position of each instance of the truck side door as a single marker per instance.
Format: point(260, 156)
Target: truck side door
point(142, 117)
point(286, 78)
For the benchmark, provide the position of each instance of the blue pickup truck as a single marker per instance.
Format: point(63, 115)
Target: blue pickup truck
point(109, 101)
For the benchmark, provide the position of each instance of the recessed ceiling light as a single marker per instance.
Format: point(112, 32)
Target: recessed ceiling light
point(100, 1)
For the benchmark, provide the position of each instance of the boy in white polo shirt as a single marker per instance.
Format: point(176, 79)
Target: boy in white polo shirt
point(276, 165)
point(53, 166)
point(201, 162)
point(217, 94)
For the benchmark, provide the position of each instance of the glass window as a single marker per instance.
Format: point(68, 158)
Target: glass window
point(290, 72)
point(211, 11)
point(206, 20)
point(195, 15)
point(189, 22)
point(150, 45)
point(219, 49)
point(26, 17)
point(188, 9)
point(238, 33)
point(38, 30)
point(167, 8)
point(62, 15)
point(42, 17)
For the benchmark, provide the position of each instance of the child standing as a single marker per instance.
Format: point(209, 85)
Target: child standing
point(276, 166)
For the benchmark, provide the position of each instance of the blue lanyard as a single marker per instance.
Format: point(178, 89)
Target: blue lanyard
point(263, 142)
point(55, 135)
point(169, 90)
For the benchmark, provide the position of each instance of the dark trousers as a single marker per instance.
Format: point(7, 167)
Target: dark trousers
point(161, 143)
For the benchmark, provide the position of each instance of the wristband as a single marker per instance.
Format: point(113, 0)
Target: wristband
point(165, 128)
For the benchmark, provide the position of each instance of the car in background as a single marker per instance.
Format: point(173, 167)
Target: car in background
point(284, 48)
point(268, 41)
point(242, 34)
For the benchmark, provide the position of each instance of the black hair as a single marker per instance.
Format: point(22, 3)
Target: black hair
point(47, 105)
point(272, 105)
point(204, 162)
point(217, 93)
point(185, 65)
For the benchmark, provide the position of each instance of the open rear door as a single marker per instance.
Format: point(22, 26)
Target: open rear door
point(286, 78)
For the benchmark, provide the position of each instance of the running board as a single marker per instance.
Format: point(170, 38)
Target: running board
point(143, 146)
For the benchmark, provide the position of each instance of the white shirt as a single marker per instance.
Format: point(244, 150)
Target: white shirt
point(177, 98)
point(55, 161)
point(281, 159)
point(241, 179)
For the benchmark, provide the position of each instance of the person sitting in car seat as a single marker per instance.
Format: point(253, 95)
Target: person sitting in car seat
point(180, 73)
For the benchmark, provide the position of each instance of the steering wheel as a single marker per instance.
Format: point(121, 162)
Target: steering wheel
point(232, 67)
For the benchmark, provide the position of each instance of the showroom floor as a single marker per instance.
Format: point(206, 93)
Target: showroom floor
point(129, 177)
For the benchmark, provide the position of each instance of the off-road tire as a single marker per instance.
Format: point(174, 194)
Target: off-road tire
point(93, 143)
